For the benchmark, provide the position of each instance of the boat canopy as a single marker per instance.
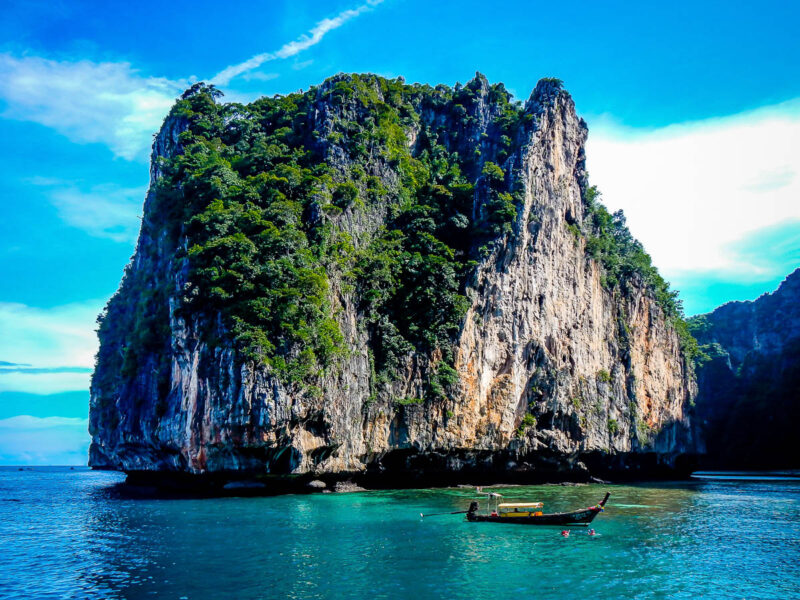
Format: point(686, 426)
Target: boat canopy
point(520, 505)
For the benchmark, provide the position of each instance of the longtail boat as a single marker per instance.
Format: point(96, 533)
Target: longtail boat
point(526, 513)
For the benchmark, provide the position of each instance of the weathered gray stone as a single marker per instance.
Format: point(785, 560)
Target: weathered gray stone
point(540, 329)
point(346, 487)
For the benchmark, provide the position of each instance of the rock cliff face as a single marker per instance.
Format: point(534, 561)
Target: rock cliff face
point(556, 371)
point(749, 399)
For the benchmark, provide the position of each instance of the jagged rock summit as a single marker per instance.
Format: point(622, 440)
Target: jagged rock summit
point(391, 280)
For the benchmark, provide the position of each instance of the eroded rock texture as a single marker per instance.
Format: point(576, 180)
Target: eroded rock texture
point(557, 373)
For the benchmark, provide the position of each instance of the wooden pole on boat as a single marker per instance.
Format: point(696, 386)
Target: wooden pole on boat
point(455, 512)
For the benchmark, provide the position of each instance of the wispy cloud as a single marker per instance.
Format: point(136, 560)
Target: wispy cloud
point(774, 179)
point(313, 37)
point(27, 440)
point(44, 383)
point(107, 102)
point(259, 76)
point(43, 370)
point(105, 210)
point(299, 66)
point(774, 251)
point(112, 102)
point(694, 193)
point(59, 342)
point(59, 404)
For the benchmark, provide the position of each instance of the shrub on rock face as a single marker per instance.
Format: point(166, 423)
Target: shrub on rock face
point(253, 196)
point(603, 376)
point(249, 206)
point(528, 421)
point(298, 296)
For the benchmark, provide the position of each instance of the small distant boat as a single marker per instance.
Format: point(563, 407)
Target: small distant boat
point(527, 513)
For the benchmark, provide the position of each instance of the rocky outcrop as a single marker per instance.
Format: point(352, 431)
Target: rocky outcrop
point(556, 373)
point(749, 388)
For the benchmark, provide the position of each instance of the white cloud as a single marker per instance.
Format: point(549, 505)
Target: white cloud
point(113, 103)
point(259, 76)
point(28, 422)
point(312, 38)
point(43, 383)
point(48, 338)
point(26, 440)
point(105, 210)
point(692, 191)
point(109, 103)
point(299, 66)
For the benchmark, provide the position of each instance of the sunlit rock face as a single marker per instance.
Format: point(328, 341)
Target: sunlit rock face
point(557, 372)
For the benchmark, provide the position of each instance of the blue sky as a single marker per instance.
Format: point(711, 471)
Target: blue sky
point(693, 109)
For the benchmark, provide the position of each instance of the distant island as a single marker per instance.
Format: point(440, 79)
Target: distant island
point(749, 377)
point(399, 284)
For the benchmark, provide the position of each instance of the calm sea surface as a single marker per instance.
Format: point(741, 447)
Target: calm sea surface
point(63, 534)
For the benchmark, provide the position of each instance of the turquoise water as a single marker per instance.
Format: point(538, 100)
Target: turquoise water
point(64, 535)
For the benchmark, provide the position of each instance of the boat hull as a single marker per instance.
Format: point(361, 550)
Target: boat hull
point(578, 517)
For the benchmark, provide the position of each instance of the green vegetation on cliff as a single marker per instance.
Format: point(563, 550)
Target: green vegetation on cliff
point(253, 204)
point(363, 190)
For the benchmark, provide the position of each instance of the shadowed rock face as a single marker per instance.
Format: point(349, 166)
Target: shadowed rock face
point(554, 370)
point(749, 399)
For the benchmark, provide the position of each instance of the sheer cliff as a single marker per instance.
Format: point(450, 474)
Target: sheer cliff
point(749, 386)
point(376, 277)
